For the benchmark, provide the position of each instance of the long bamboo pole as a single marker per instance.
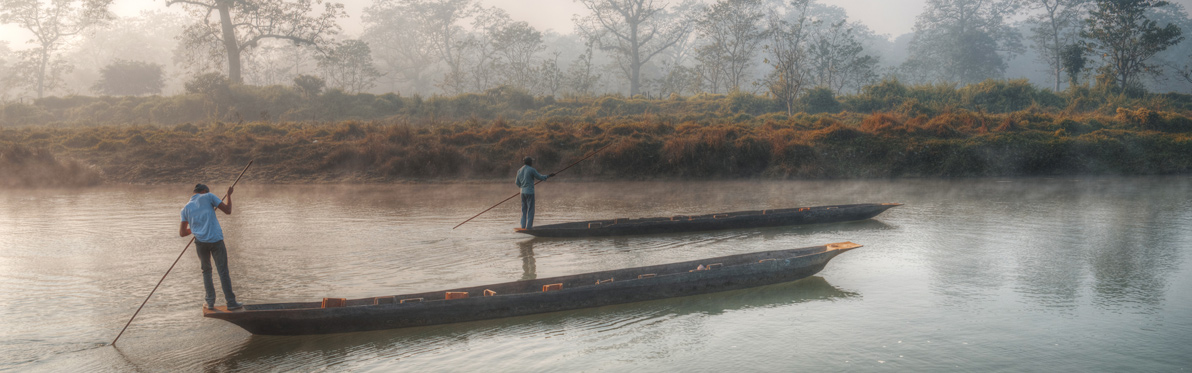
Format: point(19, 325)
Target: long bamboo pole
point(535, 183)
point(163, 277)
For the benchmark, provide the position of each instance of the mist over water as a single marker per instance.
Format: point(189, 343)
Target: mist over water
point(1065, 274)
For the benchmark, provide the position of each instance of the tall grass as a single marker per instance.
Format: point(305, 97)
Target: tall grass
point(941, 142)
point(274, 104)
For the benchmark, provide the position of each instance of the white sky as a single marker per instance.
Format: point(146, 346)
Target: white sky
point(890, 17)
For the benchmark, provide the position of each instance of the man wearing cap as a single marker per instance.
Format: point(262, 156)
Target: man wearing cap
point(525, 180)
point(198, 217)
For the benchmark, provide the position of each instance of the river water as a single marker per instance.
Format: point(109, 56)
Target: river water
point(1067, 274)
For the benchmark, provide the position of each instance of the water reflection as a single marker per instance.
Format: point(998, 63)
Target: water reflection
point(530, 332)
point(1050, 268)
point(1053, 249)
point(529, 271)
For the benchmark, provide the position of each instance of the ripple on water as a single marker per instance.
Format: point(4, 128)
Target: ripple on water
point(974, 275)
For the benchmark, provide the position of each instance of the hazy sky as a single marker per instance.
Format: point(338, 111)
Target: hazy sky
point(890, 17)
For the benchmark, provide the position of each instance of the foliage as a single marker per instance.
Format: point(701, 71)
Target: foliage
point(960, 40)
point(51, 24)
point(733, 30)
point(1121, 31)
point(211, 97)
point(1055, 29)
point(634, 31)
point(789, 77)
point(837, 59)
point(223, 30)
point(1073, 60)
point(820, 100)
point(952, 142)
point(308, 85)
point(130, 78)
point(349, 67)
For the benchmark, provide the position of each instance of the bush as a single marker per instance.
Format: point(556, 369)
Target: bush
point(820, 100)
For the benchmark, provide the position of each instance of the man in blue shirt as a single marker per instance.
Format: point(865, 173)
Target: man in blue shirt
point(198, 217)
point(525, 180)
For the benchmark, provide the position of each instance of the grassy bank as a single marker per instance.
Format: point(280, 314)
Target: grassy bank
point(245, 104)
point(908, 141)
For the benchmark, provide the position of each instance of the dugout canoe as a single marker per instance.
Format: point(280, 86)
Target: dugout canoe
point(711, 222)
point(595, 289)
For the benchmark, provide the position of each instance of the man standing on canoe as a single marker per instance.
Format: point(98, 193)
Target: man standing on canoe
point(198, 217)
point(525, 180)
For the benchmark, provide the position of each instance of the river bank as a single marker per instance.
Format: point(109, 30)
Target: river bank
point(954, 143)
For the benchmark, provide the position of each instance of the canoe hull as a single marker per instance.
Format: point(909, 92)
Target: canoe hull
point(712, 222)
point(362, 315)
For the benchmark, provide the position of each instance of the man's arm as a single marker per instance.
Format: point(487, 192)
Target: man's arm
point(226, 205)
point(184, 230)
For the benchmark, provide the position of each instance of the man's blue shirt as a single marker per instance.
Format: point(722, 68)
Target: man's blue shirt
point(199, 213)
point(525, 179)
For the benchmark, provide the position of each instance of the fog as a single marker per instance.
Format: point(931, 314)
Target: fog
point(569, 48)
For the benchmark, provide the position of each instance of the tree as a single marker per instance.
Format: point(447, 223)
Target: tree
point(633, 30)
point(583, 78)
point(438, 24)
point(788, 55)
point(309, 85)
point(837, 60)
point(733, 32)
point(215, 89)
point(130, 78)
point(150, 36)
point(962, 40)
point(1056, 27)
point(479, 58)
point(401, 43)
point(6, 56)
point(228, 28)
point(1126, 38)
point(515, 44)
point(1073, 60)
point(349, 67)
point(51, 24)
point(550, 79)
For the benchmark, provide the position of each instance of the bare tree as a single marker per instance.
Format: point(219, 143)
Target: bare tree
point(550, 78)
point(51, 24)
point(788, 55)
point(634, 30)
point(439, 21)
point(227, 28)
point(837, 60)
point(583, 77)
point(516, 43)
point(5, 70)
point(401, 43)
point(733, 31)
point(480, 56)
point(1057, 26)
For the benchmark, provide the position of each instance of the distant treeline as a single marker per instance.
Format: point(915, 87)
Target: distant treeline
point(243, 103)
point(890, 130)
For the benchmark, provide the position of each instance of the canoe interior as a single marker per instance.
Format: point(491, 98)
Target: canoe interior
point(568, 282)
point(717, 216)
point(717, 221)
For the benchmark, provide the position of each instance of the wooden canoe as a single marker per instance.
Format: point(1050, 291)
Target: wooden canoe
point(528, 297)
point(710, 222)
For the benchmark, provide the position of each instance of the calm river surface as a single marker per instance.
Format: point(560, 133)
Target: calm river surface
point(1088, 274)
